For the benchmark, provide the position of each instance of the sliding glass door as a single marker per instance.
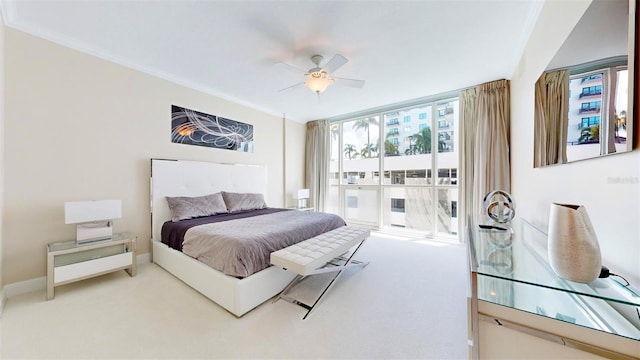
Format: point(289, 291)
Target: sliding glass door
point(397, 170)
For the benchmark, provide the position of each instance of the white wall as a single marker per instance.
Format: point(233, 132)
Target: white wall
point(608, 186)
point(81, 128)
point(1, 149)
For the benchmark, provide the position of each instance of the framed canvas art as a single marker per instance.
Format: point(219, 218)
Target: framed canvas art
point(196, 128)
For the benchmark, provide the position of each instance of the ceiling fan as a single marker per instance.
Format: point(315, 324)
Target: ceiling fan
point(319, 78)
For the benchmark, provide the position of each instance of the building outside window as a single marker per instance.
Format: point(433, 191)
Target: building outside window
point(592, 104)
point(417, 174)
point(591, 90)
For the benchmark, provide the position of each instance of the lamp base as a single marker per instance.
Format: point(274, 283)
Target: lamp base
point(93, 231)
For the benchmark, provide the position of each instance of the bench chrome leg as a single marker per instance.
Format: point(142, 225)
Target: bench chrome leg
point(329, 267)
point(293, 282)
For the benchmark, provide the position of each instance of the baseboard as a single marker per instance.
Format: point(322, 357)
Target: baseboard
point(40, 284)
point(24, 287)
point(143, 258)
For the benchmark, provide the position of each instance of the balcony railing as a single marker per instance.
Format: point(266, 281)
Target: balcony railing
point(445, 111)
point(589, 94)
point(590, 78)
point(588, 110)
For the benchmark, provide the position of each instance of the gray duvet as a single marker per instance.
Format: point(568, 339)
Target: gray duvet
point(242, 247)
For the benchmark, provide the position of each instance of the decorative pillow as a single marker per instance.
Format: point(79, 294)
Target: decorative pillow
point(191, 207)
point(243, 201)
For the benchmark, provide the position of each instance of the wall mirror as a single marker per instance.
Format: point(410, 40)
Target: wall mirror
point(584, 100)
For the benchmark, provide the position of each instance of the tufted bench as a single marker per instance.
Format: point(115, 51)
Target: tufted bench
point(320, 254)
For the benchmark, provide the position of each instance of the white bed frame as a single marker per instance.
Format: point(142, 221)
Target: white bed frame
point(196, 178)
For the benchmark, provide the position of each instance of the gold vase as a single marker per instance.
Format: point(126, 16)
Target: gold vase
point(574, 253)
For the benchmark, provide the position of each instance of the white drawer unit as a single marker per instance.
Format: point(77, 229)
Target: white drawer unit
point(69, 261)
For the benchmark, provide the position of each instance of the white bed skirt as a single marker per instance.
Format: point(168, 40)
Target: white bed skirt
point(238, 296)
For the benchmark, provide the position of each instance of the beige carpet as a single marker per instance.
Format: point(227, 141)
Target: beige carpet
point(409, 302)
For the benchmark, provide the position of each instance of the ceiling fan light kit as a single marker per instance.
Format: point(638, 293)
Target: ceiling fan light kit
point(319, 78)
point(318, 81)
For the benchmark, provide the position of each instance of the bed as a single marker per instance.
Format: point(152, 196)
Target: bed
point(170, 178)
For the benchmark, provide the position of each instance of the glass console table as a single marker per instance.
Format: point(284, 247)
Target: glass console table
point(510, 268)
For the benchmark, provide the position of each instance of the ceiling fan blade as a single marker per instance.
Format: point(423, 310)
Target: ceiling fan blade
point(291, 68)
point(291, 87)
point(336, 62)
point(349, 82)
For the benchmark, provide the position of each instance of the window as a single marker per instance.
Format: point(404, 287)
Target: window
point(444, 176)
point(409, 184)
point(416, 174)
point(454, 209)
point(590, 121)
point(592, 90)
point(397, 177)
point(351, 177)
point(591, 106)
point(397, 205)
point(592, 77)
point(445, 111)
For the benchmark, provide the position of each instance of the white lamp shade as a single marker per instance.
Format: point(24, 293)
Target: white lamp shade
point(88, 211)
point(303, 193)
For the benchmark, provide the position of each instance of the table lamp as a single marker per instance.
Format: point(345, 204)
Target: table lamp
point(303, 197)
point(94, 219)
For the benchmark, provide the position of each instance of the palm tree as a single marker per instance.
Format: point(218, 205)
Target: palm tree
point(364, 124)
point(368, 149)
point(390, 149)
point(411, 150)
point(423, 141)
point(350, 149)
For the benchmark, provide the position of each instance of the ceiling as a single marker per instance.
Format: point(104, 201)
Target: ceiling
point(404, 50)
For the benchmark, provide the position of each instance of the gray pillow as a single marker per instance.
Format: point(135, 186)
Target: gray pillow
point(243, 201)
point(191, 207)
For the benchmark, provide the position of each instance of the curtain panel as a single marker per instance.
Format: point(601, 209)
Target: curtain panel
point(468, 125)
point(317, 153)
point(551, 118)
point(485, 117)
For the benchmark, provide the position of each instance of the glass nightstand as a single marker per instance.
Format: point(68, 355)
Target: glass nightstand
point(68, 261)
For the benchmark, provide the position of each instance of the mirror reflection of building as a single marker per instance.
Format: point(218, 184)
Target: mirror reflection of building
point(588, 112)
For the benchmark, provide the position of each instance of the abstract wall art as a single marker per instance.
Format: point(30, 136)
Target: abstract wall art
point(195, 128)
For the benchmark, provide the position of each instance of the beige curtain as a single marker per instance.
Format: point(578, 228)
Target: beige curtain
point(551, 118)
point(317, 153)
point(468, 125)
point(485, 163)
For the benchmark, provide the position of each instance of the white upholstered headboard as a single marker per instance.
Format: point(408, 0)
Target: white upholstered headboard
point(197, 178)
